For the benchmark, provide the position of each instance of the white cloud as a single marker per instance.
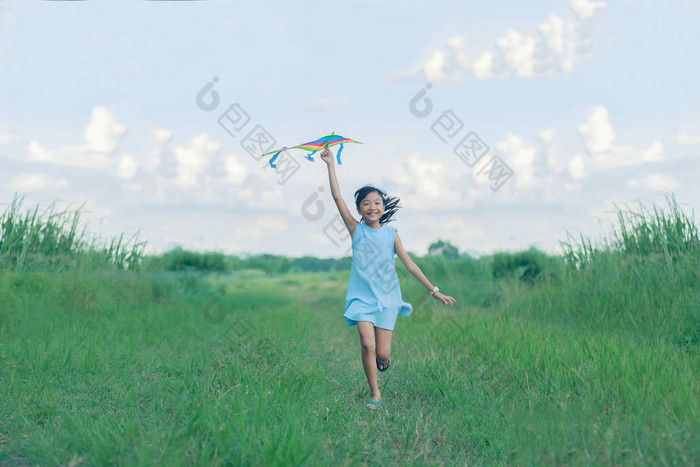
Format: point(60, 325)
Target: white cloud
point(36, 182)
point(102, 136)
point(518, 51)
point(548, 137)
point(654, 153)
point(685, 139)
point(36, 152)
point(483, 66)
point(196, 172)
point(127, 167)
point(103, 132)
point(521, 158)
point(552, 50)
point(558, 48)
point(236, 172)
point(268, 199)
point(598, 136)
point(577, 167)
point(597, 132)
point(572, 187)
point(557, 159)
point(192, 157)
point(553, 32)
point(449, 63)
point(585, 8)
point(261, 228)
point(7, 137)
point(327, 103)
point(655, 182)
point(428, 184)
point(541, 173)
point(158, 140)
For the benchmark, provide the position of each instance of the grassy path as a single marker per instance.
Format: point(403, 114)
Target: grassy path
point(249, 370)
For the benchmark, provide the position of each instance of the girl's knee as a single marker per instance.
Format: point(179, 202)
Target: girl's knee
point(368, 345)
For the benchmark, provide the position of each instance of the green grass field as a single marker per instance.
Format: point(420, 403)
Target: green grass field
point(596, 364)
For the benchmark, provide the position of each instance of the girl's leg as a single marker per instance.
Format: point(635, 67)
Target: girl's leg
point(368, 352)
point(383, 346)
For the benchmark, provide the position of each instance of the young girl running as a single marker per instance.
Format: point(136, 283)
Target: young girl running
point(373, 300)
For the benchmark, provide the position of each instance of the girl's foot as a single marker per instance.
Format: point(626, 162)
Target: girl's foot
point(373, 405)
point(374, 401)
point(383, 365)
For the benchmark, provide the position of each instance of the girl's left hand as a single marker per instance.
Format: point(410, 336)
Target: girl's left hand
point(327, 156)
point(445, 299)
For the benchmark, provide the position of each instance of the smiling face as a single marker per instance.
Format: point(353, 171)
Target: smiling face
point(371, 208)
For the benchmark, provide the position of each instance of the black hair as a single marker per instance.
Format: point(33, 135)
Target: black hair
point(391, 204)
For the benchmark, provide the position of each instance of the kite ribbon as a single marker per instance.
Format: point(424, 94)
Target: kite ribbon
point(272, 160)
point(337, 156)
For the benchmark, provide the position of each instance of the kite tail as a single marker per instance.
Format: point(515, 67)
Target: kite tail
point(272, 160)
point(337, 156)
point(309, 156)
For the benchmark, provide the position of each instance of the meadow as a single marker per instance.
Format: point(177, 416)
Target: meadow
point(109, 357)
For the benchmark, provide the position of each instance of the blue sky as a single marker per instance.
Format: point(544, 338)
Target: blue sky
point(587, 103)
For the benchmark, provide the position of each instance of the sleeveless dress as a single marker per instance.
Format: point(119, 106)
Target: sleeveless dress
point(373, 293)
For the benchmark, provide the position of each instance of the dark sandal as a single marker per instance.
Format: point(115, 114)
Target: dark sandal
point(386, 362)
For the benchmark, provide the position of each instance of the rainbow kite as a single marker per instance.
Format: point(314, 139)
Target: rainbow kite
point(315, 146)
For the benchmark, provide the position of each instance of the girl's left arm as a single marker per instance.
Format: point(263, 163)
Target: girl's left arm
point(413, 268)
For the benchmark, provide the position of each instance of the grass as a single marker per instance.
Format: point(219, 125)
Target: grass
point(593, 363)
point(118, 369)
point(666, 234)
point(49, 239)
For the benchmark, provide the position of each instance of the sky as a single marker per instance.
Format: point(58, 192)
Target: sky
point(501, 125)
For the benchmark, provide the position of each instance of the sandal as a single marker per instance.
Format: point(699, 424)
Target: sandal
point(371, 403)
point(381, 363)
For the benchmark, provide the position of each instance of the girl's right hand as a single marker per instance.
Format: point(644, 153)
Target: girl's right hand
point(445, 299)
point(327, 156)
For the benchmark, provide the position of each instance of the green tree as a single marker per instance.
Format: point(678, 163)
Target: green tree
point(444, 248)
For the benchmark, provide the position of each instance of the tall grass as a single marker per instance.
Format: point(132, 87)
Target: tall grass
point(640, 280)
point(49, 239)
point(646, 232)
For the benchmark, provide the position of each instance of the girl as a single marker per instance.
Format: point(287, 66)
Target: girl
point(373, 300)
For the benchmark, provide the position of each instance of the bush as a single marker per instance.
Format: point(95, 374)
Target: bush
point(443, 248)
point(179, 259)
point(527, 266)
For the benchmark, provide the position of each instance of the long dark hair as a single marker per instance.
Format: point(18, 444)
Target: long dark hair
point(391, 204)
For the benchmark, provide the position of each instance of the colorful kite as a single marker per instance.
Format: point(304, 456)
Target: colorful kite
point(315, 146)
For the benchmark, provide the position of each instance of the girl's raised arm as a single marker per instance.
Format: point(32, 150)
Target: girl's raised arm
point(349, 221)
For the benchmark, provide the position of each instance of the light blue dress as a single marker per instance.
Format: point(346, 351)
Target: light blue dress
point(374, 294)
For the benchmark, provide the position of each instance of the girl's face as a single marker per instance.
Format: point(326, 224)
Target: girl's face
point(371, 208)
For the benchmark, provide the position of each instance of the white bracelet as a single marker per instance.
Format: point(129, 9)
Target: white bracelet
point(435, 289)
